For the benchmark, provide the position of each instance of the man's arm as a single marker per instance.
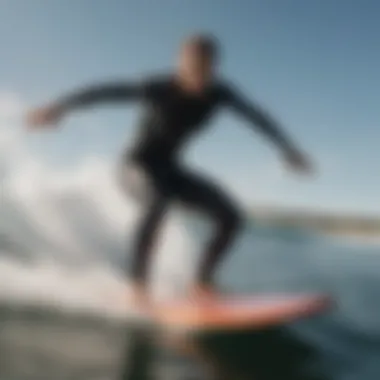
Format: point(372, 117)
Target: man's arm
point(111, 92)
point(268, 126)
point(259, 118)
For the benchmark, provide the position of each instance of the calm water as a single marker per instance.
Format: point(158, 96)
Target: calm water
point(347, 340)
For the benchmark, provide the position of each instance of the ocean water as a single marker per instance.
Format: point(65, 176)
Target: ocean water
point(58, 345)
point(347, 339)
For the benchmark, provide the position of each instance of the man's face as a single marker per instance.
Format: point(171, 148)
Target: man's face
point(196, 65)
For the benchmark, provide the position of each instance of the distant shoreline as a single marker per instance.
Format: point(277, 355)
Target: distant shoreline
point(360, 228)
point(372, 239)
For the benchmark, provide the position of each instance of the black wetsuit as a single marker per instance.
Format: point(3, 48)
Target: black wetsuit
point(170, 118)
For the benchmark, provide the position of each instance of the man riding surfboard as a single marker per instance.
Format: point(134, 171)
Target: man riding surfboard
point(176, 106)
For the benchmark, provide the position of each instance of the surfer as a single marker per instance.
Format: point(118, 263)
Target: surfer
point(176, 106)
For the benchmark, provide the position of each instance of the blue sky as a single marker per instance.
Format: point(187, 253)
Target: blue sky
point(315, 64)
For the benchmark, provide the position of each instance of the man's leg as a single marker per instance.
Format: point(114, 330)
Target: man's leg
point(147, 188)
point(210, 199)
point(145, 238)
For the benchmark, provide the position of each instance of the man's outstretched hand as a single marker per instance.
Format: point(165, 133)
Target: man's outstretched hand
point(299, 162)
point(43, 117)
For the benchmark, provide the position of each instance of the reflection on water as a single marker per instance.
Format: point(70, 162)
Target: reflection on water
point(44, 344)
point(34, 345)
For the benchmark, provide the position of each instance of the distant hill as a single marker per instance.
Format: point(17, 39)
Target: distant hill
point(327, 222)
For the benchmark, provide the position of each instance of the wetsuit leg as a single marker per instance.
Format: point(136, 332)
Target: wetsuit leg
point(171, 182)
point(146, 236)
point(149, 185)
point(209, 198)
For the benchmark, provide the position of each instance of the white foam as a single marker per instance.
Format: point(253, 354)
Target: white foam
point(37, 188)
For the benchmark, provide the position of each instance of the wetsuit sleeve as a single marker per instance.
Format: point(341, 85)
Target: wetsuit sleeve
point(111, 92)
point(257, 116)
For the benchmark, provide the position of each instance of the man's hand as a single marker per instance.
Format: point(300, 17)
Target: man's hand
point(45, 116)
point(298, 162)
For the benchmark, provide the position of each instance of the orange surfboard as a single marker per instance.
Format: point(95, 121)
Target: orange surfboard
point(239, 312)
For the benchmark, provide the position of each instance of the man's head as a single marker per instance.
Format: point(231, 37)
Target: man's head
point(198, 59)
